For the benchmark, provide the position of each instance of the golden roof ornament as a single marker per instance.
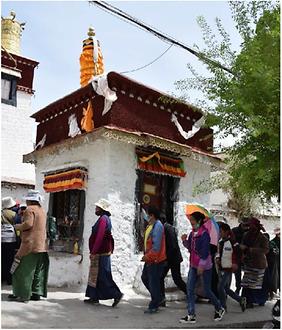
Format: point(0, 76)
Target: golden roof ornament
point(11, 31)
point(91, 58)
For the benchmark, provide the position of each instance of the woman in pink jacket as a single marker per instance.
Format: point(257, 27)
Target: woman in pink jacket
point(198, 244)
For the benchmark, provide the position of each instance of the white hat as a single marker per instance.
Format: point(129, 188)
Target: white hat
point(8, 202)
point(33, 195)
point(103, 204)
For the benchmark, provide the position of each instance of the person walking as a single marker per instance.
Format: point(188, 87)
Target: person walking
point(154, 258)
point(226, 260)
point(101, 285)
point(238, 233)
point(254, 247)
point(198, 244)
point(30, 275)
point(8, 238)
point(273, 261)
point(174, 259)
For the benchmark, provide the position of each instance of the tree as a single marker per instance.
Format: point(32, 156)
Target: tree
point(246, 103)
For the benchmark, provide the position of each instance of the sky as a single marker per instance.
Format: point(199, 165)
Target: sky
point(55, 30)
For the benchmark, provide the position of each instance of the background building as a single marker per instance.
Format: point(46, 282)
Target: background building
point(16, 124)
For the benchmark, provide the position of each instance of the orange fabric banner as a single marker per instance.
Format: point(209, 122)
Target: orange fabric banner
point(73, 179)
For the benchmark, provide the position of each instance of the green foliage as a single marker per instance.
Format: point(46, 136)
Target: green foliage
point(245, 104)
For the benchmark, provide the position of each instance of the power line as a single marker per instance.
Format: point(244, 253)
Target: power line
point(164, 37)
point(144, 66)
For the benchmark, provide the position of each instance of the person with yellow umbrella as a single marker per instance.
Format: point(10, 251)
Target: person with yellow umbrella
point(198, 244)
point(213, 229)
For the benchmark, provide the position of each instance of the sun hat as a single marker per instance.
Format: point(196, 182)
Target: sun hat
point(103, 204)
point(8, 202)
point(33, 195)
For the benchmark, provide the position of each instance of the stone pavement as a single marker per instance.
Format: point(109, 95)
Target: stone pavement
point(64, 309)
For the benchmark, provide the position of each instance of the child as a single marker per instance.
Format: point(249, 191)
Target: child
point(226, 261)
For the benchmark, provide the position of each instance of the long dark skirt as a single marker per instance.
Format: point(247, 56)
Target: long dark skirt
point(257, 295)
point(105, 288)
point(31, 276)
point(8, 251)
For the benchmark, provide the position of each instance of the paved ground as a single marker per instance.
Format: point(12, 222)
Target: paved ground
point(64, 309)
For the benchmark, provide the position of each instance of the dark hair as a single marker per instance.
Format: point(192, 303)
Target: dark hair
point(107, 213)
point(153, 210)
point(162, 217)
point(199, 217)
point(224, 226)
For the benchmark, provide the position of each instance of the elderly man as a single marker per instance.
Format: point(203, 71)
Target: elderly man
point(31, 265)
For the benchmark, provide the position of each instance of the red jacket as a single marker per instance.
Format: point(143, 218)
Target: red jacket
point(155, 251)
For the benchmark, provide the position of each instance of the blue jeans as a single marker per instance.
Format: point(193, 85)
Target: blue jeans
point(224, 279)
point(151, 277)
point(191, 283)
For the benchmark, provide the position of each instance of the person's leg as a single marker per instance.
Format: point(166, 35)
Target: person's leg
point(230, 292)
point(22, 278)
point(144, 277)
point(237, 275)
point(162, 280)
point(40, 278)
point(222, 283)
point(191, 283)
point(154, 275)
point(177, 278)
point(207, 275)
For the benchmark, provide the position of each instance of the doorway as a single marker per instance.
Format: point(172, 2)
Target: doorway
point(153, 189)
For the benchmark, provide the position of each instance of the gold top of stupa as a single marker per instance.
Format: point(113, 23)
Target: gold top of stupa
point(11, 31)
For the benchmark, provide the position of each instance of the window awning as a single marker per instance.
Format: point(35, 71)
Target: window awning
point(71, 179)
point(160, 164)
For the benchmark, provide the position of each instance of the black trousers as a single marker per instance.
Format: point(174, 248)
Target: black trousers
point(176, 276)
point(8, 251)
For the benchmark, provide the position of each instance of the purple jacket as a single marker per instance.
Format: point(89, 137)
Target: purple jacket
point(198, 244)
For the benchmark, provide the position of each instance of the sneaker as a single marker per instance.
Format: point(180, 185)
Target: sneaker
point(117, 300)
point(151, 310)
point(243, 303)
point(91, 301)
point(162, 303)
point(12, 297)
point(218, 315)
point(188, 319)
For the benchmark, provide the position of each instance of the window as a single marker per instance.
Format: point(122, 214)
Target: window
point(65, 220)
point(8, 89)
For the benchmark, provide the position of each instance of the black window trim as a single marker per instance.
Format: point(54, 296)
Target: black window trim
point(13, 91)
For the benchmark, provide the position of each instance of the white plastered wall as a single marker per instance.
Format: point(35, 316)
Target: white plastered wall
point(111, 168)
point(16, 138)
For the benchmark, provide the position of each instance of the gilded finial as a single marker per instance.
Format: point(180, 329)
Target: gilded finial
point(13, 15)
point(11, 30)
point(91, 32)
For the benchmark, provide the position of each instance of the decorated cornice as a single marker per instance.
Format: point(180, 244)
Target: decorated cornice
point(25, 89)
point(135, 138)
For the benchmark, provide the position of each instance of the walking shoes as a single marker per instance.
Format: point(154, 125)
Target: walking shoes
point(243, 303)
point(91, 301)
point(218, 315)
point(188, 319)
point(151, 310)
point(117, 300)
point(19, 299)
